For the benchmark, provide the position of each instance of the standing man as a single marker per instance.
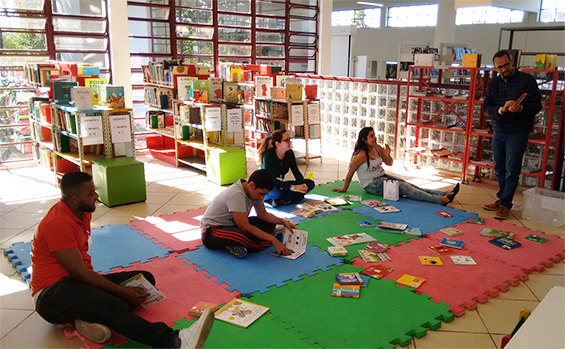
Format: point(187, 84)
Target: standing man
point(65, 288)
point(512, 124)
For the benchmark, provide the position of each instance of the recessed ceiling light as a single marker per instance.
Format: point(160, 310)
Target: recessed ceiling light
point(369, 3)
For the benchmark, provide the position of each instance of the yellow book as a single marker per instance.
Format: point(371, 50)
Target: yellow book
point(540, 61)
point(430, 260)
point(551, 62)
point(409, 280)
point(294, 92)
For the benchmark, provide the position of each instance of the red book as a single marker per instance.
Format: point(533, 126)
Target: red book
point(377, 271)
point(439, 249)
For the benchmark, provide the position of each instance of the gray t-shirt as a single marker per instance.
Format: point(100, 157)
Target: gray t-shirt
point(233, 199)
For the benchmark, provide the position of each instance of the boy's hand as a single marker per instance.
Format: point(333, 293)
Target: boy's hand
point(282, 250)
point(289, 225)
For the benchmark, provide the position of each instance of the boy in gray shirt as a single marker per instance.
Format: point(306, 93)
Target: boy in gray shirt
point(226, 222)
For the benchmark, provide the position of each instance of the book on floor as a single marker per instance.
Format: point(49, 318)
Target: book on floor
point(505, 243)
point(463, 260)
point(535, 238)
point(155, 296)
point(337, 201)
point(377, 271)
point(240, 313)
point(373, 257)
point(494, 233)
point(387, 209)
point(349, 278)
point(440, 249)
point(452, 243)
point(337, 251)
point(477, 220)
point(365, 279)
point(411, 281)
point(354, 198)
point(451, 231)
point(200, 307)
point(444, 214)
point(430, 260)
point(352, 239)
point(296, 242)
point(367, 223)
point(373, 203)
point(387, 226)
point(348, 291)
point(376, 247)
point(413, 231)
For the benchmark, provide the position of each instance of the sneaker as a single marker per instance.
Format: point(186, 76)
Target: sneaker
point(492, 207)
point(195, 336)
point(237, 251)
point(96, 333)
point(273, 203)
point(502, 213)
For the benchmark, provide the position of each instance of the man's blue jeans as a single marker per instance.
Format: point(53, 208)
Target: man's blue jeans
point(507, 153)
point(288, 196)
point(69, 299)
point(405, 189)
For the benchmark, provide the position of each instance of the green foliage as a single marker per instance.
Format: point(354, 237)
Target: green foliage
point(23, 41)
point(359, 19)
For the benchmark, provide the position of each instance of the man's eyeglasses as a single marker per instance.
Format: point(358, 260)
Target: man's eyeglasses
point(505, 65)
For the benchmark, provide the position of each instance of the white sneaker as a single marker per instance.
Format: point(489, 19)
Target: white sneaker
point(195, 336)
point(96, 333)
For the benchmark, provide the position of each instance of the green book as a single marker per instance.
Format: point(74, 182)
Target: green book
point(536, 239)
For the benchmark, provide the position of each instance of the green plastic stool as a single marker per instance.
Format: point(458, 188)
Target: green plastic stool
point(119, 181)
point(226, 165)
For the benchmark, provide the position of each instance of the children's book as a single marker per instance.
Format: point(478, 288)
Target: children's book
point(444, 214)
point(336, 251)
point(303, 213)
point(376, 247)
point(505, 242)
point(387, 209)
point(474, 220)
point(296, 241)
point(230, 91)
point(373, 257)
point(392, 226)
point(439, 249)
point(377, 271)
point(409, 280)
point(200, 307)
point(348, 291)
point(352, 239)
point(494, 233)
point(373, 203)
point(354, 198)
point(452, 243)
point(463, 260)
point(155, 296)
point(349, 278)
point(535, 238)
point(240, 313)
point(451, 231)
point(337, 201)
point(413, 231)
point(365, 224)
point(365, 279)
point(430, 260)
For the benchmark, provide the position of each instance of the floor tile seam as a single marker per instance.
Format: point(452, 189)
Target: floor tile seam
point(18, 325)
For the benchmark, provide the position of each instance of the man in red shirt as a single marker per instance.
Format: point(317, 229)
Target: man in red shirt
point(66, 289)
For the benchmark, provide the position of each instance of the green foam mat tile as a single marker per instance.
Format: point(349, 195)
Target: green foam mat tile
point(384, 315)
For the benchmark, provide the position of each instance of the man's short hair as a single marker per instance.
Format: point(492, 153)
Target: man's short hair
point(263, 179)
point(72, 182)
point(502, 53)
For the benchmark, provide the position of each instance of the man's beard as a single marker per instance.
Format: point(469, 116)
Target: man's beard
point(85, 208)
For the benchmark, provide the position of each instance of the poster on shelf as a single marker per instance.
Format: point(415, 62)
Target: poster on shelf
point(313, 113)
point(297, 112)
point(91, 130)
point(121, 128)
point(213, 117)
point(235, 117)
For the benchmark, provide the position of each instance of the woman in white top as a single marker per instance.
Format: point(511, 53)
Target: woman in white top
point(367, 161)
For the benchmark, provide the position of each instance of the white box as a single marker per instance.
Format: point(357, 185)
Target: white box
point(544, 205)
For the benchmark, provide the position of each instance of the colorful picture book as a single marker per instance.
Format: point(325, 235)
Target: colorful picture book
point(505, 242)
point(348, 291)
point(411, 281)
point(373, 257)
point(352, 239)
point(365, 224)
point(392, 226)
point(240, 313)
point(477, 220)
point(451, 231)
point(376, 247)
point(373, 203)
point(413, 231)
point(377, 271)
point(337, 251)
point(349, 278)
point(430, 260)
point(387, 209)
point(296, 242)
point(444, 214)
point(439, 249)
point(452, 243)
point(494, 233)
point(535, 238)
point(155, 296)
point(200, 307)
point(337, 201)
point(463, 260)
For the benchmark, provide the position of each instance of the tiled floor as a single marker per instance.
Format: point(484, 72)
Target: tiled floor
point(26, 193)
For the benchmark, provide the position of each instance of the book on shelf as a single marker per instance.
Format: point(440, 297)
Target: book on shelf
point(387, 209)
point(430, 260)
point(550, 62)
point(347, 291)
point(278, 93)
point(376, 247)
point(373, 203)
point(377, 271)
point(200, 91)
point(366, 223)
point(62, 91)
point(184, 85)
point(155, 296)
point(505, 242)
point(387, 226)
point(540, 61)
point(294, 92)
point(373, 257)
point(281, 80)
point(453, 243)
point(349, 278)
point(471, 60)
point(494, 233)
point(463, 260)
point(240, 312)
point(352, 239)
point(337, 251)
point(442, 152)
point(535, 238)
point(263, 86)
point(111, 96)
point(411, 281)
point(215, 89)
point(451, 231)
point(200, 307)
point(81, 97)
point(230, 91)
point(296, 242)
point(439, 249)
point(311, 92)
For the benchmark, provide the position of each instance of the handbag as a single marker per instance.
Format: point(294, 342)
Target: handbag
point(390, 190)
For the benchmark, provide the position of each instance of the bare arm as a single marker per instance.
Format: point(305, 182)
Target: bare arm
point(385, 153)
point(71, 260)
point(356, 161)
point(242, 221)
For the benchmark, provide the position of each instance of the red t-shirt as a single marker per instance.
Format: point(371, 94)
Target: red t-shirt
point(59, 230)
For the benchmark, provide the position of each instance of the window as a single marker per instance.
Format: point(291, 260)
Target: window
point(487, 15)
point(367, 18)
point(413, 16)
point(552, 11)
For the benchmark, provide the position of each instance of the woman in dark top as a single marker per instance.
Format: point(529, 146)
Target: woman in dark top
point(276, 156)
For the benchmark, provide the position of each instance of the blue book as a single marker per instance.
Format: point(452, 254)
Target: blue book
point(452, 243)
point(505, 243)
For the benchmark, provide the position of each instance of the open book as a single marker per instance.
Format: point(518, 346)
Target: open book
point(295, 241)
point(155, 296)
point(240, 313)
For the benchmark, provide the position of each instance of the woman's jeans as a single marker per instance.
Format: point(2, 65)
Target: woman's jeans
point(405, 189)
point(288, 196)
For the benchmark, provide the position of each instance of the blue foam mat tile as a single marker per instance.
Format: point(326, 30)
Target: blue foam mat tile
point(20, 256)
point(120, 246)
point(258, 271)
point(417, 214)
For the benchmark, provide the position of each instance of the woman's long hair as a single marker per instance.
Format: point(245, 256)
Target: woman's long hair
point(361, 145)
point(268, 143)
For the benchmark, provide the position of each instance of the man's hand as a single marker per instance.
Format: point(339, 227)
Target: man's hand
point(282, 250)
point(134, 295)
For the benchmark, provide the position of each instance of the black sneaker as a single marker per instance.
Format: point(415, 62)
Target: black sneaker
point(237, 251)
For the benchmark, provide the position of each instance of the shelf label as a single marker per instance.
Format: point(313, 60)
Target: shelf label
point(313, 113)
point(213, 119)
point(235, 117)
point(121, 128)
point(91, 130)
point(297, 112)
